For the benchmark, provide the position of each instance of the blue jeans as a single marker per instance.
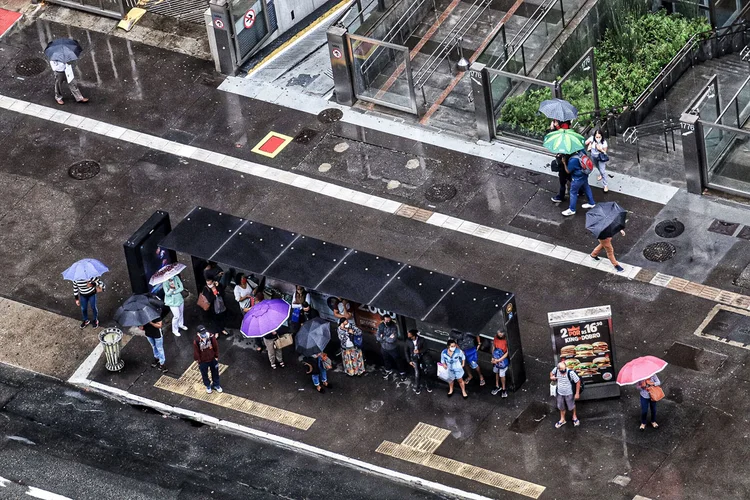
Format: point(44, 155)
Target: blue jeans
point(575, 185)
point(323, 375)
point(158, 346)
point(214, 366)
point(85, 302)
point(645, 403)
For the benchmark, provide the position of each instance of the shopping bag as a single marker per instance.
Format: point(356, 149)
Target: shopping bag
point(443, 373)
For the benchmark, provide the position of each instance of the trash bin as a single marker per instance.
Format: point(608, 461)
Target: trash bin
point(110, 339)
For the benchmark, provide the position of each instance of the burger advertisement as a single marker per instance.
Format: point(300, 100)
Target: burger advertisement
point(585, 345)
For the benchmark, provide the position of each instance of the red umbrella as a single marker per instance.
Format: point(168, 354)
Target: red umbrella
point(640, 369)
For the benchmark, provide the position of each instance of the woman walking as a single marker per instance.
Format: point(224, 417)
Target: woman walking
point(597, 146)
point(351, 354)
point(314, 366)
point(647, 402)
point(453, 359)
point(216, 313)
point(176, 303)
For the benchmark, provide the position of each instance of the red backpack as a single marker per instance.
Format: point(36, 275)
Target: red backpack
point(586, 164)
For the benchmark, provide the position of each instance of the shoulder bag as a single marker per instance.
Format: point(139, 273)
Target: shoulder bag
point(656, 393)
point(283, 341)
point(203, 302)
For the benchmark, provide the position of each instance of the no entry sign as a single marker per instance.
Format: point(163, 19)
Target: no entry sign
point(249, 19)
point(218, 23)
point(336, 53)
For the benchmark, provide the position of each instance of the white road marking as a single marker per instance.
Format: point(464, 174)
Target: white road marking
point(45, 495)
point(4, 482)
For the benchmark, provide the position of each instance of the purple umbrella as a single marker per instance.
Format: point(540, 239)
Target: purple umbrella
point(265, 317)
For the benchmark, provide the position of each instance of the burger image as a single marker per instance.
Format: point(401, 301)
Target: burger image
point(602, 362)
point(585, 369)
point(568, 351)
point(572, 363)
point(584, 350)
point(600, 347)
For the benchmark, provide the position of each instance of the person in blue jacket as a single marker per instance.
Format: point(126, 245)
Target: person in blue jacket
point(580, 179)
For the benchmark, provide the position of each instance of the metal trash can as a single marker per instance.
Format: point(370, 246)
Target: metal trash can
point(110, 339)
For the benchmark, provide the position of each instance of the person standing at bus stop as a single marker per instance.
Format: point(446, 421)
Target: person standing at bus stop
point(387, 337)
point(206, 354)
point(176, 302)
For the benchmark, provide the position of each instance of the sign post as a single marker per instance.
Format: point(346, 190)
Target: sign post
point(584, 339)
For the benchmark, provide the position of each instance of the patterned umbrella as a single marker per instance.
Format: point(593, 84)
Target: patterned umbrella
point(85, 269)
point(558, 109)
point(564, 141)
point(166, 272)
point(640, 369)
point(265, 317)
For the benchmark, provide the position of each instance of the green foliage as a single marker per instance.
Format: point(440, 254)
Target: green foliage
point(629, 57)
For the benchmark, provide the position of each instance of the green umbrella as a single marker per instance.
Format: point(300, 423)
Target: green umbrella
point(564, 141)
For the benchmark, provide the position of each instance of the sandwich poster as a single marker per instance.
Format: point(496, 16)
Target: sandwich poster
point(586, 347)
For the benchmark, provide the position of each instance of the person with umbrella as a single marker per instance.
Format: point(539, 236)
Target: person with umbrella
point(154, 335)
point(265, 319)
point(144, 311)
point(642, 372)
point(561, 112)
point(61, 53)
point(604, 221)
point(87, 282)
point(312, 339)
point(173, 298)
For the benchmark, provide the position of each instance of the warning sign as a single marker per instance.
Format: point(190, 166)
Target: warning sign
point(249, 19)
point(336, 53)
point(218, 23)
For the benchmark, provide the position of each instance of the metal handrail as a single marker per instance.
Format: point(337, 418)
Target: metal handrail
point(734, 101)
point(528, 22)
point(449, 42)
point(514, 49)
point(691, 109)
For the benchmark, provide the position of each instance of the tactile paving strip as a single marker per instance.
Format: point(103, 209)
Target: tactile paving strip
point(190, 384)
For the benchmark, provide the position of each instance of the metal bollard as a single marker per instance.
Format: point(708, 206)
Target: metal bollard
point(110, 339)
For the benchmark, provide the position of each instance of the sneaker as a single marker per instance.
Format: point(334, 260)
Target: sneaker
point(568, 212)
point(594, 257)
point(86, 323)
point(183, 328)
point(619, 269)
point(218, 389)
point(495, 391)
point(163, 369)
point(504, 394)
point(155, 364)
point(95, 324)
point(209, 390)
point(555, 199)
point(177, 334)
point(588, 205)
point(428, 389)
point(417, 391)
point(387, 373)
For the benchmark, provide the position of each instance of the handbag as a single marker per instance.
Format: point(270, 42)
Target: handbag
point(656, 393)
point(283, 341)
point(203, 302)
point(603, 157)
point(357, 340)
point(219, 306)
point(443, 373)
point(326, 361)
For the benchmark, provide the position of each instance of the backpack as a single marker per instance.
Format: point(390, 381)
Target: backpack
point(498, 353)
point(586, 164)
point(572, 384)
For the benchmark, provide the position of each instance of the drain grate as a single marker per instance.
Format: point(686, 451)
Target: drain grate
point(659, 252)
point(669, 228)
point(30, 67)
point(729, 326)
point(83, 170)
point(530, 418)
point(723, 227)
point(440, 192)
point(330, 115)
point(305, 136)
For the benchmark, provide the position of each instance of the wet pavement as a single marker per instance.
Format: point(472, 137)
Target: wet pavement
point(50, 219)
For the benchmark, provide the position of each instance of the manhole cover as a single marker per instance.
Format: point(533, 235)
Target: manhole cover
point(305, 136)
point(670, 228)
point(330, 115)
point(83, 170)
point(30, 67)
point(745, 233)
point(659, 252)
point(440, 192)
point(723, 227)
point(530, 418)
point(694, 358)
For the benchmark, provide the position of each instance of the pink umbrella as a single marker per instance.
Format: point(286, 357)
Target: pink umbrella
point(640, 369)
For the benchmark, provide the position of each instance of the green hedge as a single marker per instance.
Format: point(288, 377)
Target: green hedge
point(627, 60)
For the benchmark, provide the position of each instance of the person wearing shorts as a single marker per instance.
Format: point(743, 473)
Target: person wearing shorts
point(500, 365)
point(468, 343)
point(566, 399)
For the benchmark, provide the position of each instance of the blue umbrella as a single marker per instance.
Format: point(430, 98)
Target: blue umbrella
point(605, 219)
point(63, 50)
point(558, 109)
point(85, 269)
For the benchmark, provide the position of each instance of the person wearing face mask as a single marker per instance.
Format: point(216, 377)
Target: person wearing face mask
point(216, 313)
point(453, 359)
point(206, 354)
point(500, 362)
point(387, 337)
point(566, 379)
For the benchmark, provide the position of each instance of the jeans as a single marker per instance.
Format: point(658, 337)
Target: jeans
point(85, 302)
point(391, 360)
point(158, 346)
point(645, 403)
point(606, 245)
point(214, 366)
point(601, 166)
point(575, 185)
point(178, 317)
point(323, 375)
point(420, 380)
point(563, 177)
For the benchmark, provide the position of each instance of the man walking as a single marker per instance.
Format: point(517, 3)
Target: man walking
point(387, 337)
point(565, 397)
point(206, 353)
point(154, 336)
point(580, 180)
point(606, 245)
point(414, 356)
point(62, 72)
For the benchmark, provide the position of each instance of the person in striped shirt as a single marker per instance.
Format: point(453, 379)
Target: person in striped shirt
point(85, 294)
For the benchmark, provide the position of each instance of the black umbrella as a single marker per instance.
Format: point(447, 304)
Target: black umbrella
point(139, 310)
point(63, 50)
point(558, 109)
point(313, 337)
point(605, 219)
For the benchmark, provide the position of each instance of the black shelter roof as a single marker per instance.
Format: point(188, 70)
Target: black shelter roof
point(410, 291)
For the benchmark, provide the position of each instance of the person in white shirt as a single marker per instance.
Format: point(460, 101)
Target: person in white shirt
point(597, 145)
point(60, 69)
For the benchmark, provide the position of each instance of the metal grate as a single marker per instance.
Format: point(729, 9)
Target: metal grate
point(30, 67)
point(184, 10)
point(669, 228)
point(659, 252)
point(83, 170)
point(440, 192)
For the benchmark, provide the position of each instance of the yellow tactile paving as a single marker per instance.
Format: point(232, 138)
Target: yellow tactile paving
point(190, 384)
point(419, 447)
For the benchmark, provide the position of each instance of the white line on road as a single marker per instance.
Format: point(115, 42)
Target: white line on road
point(45, 495)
